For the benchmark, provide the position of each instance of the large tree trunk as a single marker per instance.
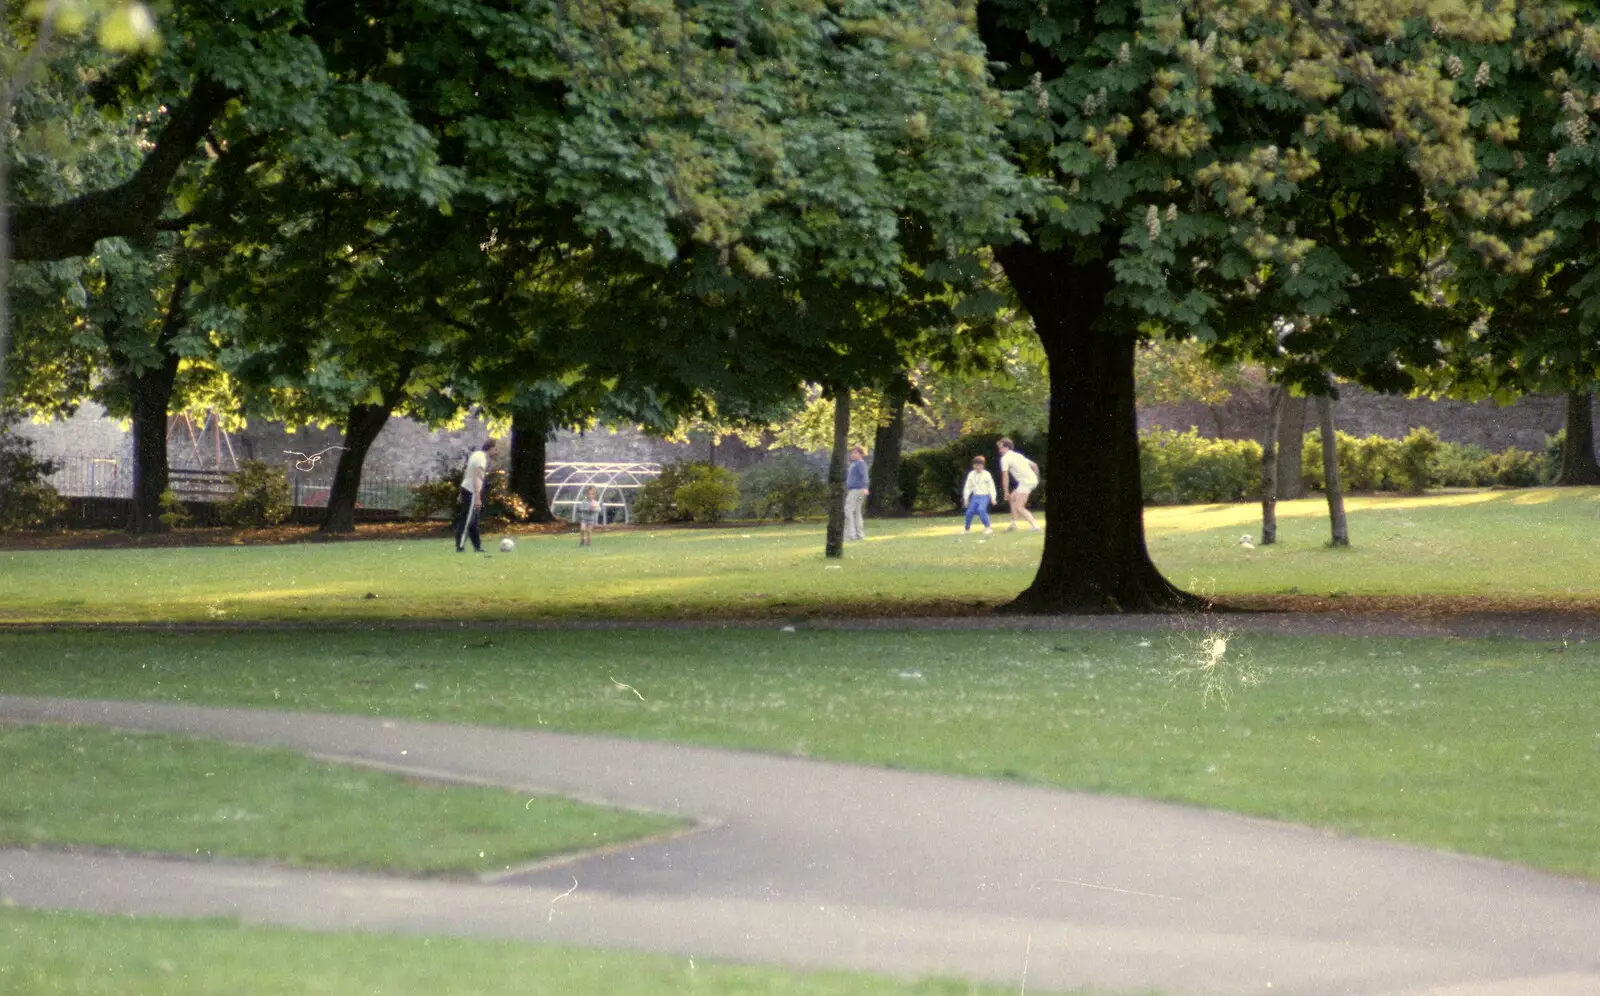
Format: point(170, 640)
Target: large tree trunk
point(1291, 448)
point(1578, 464)
point(1095, 558)
point(1269, 465)
point(528, 437)
point(150, 398)
point(883, 498)
point(1330, 471)
point(362, 425)
point(5, 250)
point(837, 465)
point(150, 391)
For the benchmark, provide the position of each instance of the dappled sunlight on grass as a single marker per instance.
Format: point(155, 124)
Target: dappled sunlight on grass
point(1192, 518)
point(1461, 543)
point(348, 590)
point(1537, 496)
point(1482, 543)
point(1448, 500)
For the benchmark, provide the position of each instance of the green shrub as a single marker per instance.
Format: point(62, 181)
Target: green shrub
point(437, 498)
point(1417, 453)
point(1368, 463)
point(657, 500)
point(1462, 465)
point(1373, 463)
point(1180, 468)
point(1551, 467)
point(174, 513)
point(27, 501)
point(711, 496)
point(783, 487)
point(260, 496)
point(1515, 468)
point(434, 499)
point(931, 479)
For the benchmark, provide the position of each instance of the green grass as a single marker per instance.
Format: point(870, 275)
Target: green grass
point(1482, 747)
point(1497, 543)
point(57, 954)
point(173, 795)
point(1531, 543)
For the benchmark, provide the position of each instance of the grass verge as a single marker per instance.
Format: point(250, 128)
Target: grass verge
point(173, 795)
point(52, 954)
point(1482, 747)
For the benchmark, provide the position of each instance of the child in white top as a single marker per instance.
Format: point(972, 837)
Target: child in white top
point(977, 494)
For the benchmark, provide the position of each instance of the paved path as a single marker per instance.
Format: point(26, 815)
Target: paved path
point(825, 865)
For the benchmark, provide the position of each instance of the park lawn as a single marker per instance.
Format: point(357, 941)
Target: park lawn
point(54, 954)
point(72, 785)
point(1524, 544)
point(1483, 747)
point(1528, 544)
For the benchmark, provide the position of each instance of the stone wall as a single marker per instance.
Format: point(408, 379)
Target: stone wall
point(1523, 424)
point(404, 451)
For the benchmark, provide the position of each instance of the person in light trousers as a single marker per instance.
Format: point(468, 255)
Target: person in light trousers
point(470, 508)
point(855, 495)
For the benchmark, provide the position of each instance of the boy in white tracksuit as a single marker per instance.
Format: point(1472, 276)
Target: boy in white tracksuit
point(977, 494)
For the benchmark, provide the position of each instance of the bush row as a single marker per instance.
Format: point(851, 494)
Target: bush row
point(783, 487)
point(1175, 468)
point(1421, 461)
point(1181, 468)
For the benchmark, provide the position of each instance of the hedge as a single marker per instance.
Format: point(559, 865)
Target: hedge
point(1420, 461)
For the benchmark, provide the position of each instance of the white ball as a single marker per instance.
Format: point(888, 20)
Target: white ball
point(507, 545)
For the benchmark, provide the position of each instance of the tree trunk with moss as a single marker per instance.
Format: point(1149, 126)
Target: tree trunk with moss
point(1578, 465)
point(1095, 558)
point(1330, 471)
point(838, 465)
point(1269, 465)
point(883, 498)
point(529, 436)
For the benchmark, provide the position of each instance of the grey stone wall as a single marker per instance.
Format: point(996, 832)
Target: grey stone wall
point(1523, 424)
point(88, 433)
point(404, 451)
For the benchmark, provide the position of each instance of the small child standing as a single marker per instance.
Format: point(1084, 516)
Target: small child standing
point(587, 513)
point(978, 493)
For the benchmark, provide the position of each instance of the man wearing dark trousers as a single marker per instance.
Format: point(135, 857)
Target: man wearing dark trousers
point(471, 507)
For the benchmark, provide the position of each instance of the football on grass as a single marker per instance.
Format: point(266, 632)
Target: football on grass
point(507, 545)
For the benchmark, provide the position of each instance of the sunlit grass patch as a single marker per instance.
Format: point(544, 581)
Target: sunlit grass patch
point(1502, 544)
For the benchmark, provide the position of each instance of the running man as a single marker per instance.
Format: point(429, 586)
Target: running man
point(1015, 466)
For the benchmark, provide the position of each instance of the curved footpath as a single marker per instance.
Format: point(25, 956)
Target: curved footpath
point(811, 864)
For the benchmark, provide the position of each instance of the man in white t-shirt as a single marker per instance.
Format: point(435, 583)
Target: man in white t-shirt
point(1016, 467)
point(472, 491)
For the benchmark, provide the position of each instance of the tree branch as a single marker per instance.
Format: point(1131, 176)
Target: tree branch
point(133, 208)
